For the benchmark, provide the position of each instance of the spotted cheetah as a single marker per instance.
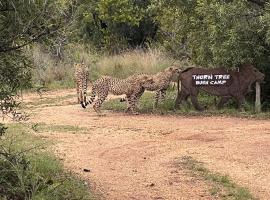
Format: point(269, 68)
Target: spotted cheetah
point(161, 82)
point(81, 78)
point(132, 87)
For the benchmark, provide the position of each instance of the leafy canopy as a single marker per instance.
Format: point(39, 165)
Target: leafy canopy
point(23, 22)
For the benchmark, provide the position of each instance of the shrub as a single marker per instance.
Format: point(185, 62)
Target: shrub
point(29, 173)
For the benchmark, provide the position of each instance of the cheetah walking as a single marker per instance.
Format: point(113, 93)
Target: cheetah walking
point(132, 87)
point(161, 82)
point(81, 78)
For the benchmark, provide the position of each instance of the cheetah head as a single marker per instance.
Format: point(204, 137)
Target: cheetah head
point(173, 72)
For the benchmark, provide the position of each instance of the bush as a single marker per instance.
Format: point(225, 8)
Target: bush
point(29, 173)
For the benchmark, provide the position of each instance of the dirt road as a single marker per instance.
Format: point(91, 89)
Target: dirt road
point(133, 157)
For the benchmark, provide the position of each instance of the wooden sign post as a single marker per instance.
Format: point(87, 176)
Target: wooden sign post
point(258, 108)
point(228, 84)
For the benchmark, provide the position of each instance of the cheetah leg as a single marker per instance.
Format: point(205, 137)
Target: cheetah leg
point(128, 109)
point(135, 97)
point(131, 105)
point(85, 90)
point(81, 91)
point(98, 103)
point(133, 101)
point(140, 93)
point(162, 95)
point(159, 95)
point(156, 98)
point(78, 92)
point(81, 96)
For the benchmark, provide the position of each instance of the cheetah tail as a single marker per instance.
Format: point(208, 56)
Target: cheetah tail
point(83, 104)
point(90, 100)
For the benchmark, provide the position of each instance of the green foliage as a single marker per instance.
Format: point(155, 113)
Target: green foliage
point(27, 172)
point(217, 33)
point(2, 129)
point(208, 33)
point(115, 11)
point(266, 20)
point(114, 25)
point(15, 75)
point(22, 23)
point(214, 32)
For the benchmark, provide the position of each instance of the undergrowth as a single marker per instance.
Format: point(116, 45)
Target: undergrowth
point(55, 73)
point(28, 171)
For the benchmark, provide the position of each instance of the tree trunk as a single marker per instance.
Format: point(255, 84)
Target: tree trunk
point(258, 98)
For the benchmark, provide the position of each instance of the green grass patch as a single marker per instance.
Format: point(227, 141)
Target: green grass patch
point(43, 127)
point(145, 105)
point(49, 101)
point(222, 185)
point(63, 84)
point(29, 171)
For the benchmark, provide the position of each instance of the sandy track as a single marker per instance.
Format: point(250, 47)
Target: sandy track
point(133, 157)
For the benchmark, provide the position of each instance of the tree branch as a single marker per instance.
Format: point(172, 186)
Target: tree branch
point(46, 32)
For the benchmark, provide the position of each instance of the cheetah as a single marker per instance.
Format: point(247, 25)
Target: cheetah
point(81, 79)
point(132, 87)
point(161, 82)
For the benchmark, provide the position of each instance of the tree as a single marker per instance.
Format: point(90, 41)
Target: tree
point(217, 33)
point(23, 22)
point(113, 25)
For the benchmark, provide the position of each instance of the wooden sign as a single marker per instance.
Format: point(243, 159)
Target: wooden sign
point(211, 79)
point(228, 84)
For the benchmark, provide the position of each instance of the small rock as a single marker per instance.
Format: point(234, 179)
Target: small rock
point(151, 185)
point(86, 170)
point(156, 198)
point(174, 171)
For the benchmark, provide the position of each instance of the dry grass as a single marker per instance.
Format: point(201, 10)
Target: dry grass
point(135, 61)
point(49, 71)
point(55, 73)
